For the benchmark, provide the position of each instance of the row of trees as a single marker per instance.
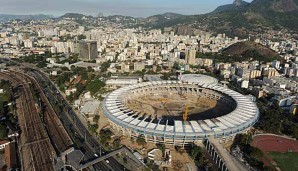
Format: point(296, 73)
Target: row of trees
point(275, 120)
point(251, 154)
point(5, 98)
point(196, 153)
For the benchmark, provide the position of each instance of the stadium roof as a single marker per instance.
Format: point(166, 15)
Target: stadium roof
point(198, 79)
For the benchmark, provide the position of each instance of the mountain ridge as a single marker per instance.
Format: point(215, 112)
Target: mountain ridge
point(236, 5)
point(8, 17)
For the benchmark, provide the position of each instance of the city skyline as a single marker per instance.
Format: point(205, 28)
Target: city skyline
point(133, 8)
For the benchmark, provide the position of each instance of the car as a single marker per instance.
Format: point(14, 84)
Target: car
point(95, 155)
point(108, 161)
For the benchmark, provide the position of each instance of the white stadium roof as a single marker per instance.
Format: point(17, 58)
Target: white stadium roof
point(198, 79)
point(244, 116)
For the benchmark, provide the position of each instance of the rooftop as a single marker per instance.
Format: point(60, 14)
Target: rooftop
point(90, 107)
point(198, 79)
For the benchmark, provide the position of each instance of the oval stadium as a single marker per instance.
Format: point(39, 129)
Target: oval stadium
point(179, 112)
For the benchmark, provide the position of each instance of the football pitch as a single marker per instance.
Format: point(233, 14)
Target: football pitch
point(285, 161)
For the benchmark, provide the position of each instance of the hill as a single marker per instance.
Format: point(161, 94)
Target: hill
point(251, 50)
point(235, 19)
point(244, 51)
point(8, 17)
point(237, 5)
point(74, 15)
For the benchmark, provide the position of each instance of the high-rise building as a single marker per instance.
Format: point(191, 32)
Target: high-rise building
point(255, 74)
point(88, 50)
point(275, 64)
point(191, 57)
point(243, 73)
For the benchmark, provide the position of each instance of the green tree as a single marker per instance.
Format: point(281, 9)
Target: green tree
point(256, 153)
point(93, 128)
point(96, 118)
point(195, 152)
point(162, 148)
point(141, 141)
point(3, 131)
point(105, 136)
point(94, 86)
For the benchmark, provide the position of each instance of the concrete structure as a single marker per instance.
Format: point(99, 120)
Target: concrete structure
point(191, 56)
point(198, 79)
point(221, 157)
point(90, 108)
point(177, 132)
point(88, 50)
point(115, 82)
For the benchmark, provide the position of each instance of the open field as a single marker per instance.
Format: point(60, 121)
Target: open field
point(285, 161)
point(278, 146)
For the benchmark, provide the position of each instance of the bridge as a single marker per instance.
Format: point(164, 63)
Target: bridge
point(222, 158)
point(138, 163)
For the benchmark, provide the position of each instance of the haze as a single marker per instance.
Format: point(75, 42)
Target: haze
point(136, 8)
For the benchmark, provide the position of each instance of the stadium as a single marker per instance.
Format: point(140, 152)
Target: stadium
point(179, 112)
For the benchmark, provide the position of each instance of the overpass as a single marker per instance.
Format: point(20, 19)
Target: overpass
point(222, 158)
point(138, 163)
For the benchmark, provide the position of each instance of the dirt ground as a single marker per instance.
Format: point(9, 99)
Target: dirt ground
point(179, 160)
point(170, 104)
point(103, 120)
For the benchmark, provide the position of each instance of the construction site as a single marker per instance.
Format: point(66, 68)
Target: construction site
point(179, 113)
point(173, 105)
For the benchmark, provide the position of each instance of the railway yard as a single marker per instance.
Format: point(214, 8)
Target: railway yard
point(42, 135)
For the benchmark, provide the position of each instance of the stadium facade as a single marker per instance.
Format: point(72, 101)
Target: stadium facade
point(179, 132)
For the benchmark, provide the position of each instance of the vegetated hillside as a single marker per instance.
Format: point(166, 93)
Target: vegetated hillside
point(252, 50)
point(259, 13)
point(8, 17)
point(237, 5)
point(74, 15)
point(236, 19)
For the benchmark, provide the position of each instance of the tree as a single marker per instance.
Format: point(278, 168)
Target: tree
point(3, 131)
point(105, 136)
point(195, 152)
point(116, 143)
point(93, 127)
point(94, 86)
point(162, 148)
point(96, 118)
point(90, 69)
point(141, 141)
point(256, 153)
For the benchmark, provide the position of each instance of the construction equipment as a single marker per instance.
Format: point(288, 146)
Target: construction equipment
point(185, 115)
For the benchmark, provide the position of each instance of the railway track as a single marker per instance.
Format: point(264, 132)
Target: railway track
point(58, 135)
point(70, 118)
point(36, 149)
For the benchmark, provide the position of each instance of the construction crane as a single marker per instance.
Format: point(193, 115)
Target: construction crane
point(185, 115)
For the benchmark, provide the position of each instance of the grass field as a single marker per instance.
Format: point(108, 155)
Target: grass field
point(285, 161)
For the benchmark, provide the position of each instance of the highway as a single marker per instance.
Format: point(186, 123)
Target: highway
point(73, 125)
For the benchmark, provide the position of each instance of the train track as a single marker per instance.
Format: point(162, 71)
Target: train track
point(37, 150)
point(58, 135)
point(69, 117)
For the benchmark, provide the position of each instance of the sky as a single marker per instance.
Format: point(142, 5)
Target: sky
point(135, 8)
